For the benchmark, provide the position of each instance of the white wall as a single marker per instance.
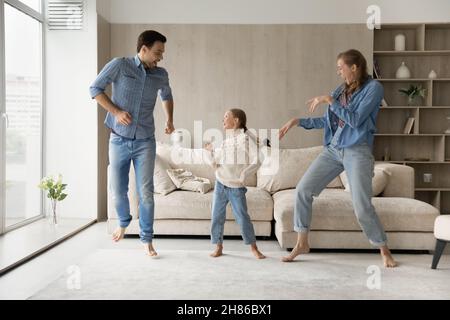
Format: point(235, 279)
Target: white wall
point(71, 62)
point(274, 11)
point(71, 115)
point(104, 8)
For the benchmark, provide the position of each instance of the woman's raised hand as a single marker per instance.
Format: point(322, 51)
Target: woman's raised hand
point(316, 101)
point(291, 123)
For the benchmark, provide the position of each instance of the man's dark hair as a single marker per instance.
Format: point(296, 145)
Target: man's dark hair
point(148, 38)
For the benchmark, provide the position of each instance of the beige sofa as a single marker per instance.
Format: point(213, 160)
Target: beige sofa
point(270, 199)
point(189, 213)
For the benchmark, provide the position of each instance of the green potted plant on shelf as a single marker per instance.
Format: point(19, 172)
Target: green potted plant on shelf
point(54, 188)
point(415, 94)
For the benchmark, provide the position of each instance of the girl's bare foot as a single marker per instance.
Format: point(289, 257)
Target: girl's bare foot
point(118, 234)
point(218, 252)
point(388, 260)
point(150, 250)
point(298, 249)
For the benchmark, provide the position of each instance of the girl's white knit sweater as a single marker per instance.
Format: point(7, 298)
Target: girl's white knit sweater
point(236, 159)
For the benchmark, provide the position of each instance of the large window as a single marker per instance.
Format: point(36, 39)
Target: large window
point(21, 108)
point(33, 4)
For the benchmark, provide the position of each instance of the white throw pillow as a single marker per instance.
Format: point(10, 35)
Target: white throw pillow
point(193, 160)
point(380, 180)
point(185, 180)
point(286, 171)
point(161, 180)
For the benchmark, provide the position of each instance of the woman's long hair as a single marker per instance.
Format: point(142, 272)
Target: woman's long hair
point(354, 57)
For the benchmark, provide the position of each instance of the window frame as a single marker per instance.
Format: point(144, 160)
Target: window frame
point(40, 17)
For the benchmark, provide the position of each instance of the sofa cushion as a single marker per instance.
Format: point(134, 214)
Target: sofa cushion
point(162, 182)
point(193, 160)
point(185, 180)
point(333, 210)
point(193, 205)
point(380, 180)
point(292, 165)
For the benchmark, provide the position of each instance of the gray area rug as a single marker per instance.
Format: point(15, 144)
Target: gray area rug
point(130, 274)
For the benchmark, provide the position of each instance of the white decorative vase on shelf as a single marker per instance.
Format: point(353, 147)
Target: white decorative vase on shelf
point(432, 75)
point(400, 42)
point(403, 72)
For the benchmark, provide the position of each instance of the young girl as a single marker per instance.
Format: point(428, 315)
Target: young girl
point(233, 161)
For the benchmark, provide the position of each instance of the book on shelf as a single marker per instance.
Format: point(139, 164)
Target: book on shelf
point(384, 103)
point(408, 126)
point(376, 69)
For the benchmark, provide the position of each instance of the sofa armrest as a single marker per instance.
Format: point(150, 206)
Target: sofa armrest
point(401, 180)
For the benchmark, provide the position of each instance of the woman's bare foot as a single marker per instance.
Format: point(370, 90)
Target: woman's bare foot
point(218, 252)
point(298, 249)
point(301, 247)
point(388, 260)
point(118, 234)
point(150, 250)
point(257, 253)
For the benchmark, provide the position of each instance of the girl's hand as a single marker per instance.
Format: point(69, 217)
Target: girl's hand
point(291, 123)
point(316, 101)
point(208, 146)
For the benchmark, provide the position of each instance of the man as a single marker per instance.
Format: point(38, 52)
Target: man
point(136, 83)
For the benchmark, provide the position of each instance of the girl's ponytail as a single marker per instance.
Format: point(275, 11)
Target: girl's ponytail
point(240, 114)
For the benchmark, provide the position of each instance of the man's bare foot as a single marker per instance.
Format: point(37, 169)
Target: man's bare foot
point(150, 250)
point(218, 252)
point(298, 249)
point(388, 260)
point(118, 234)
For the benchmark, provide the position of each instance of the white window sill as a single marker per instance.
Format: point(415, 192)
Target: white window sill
point(24, 243)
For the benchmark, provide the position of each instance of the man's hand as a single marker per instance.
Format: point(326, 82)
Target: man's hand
point(169, 127)
point(123, 117)
point(291, 123)
point(316, 101)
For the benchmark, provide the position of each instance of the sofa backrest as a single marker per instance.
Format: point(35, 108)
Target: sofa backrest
point(292, 165)
point(400, 182)
point(193, 160)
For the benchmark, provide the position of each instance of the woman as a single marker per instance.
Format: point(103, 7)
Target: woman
point(349, 124)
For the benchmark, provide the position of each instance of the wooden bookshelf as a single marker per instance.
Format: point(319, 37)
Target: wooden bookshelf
point(427, 147)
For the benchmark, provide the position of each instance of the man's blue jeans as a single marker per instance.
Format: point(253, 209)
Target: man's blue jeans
point(236, 196)
point(142, 152)
point(358, 162)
